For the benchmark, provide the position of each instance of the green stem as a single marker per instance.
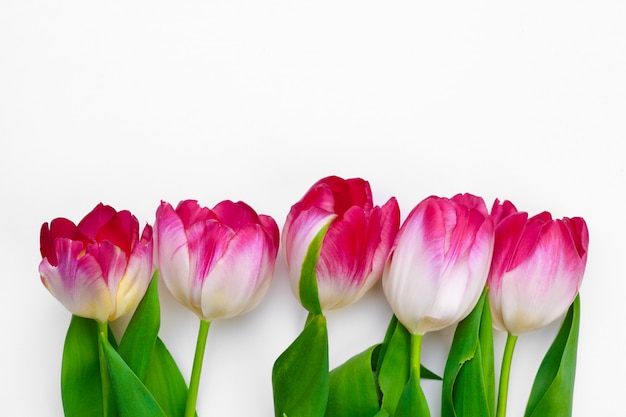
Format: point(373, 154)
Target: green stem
point(194, 383)
point(504, 374)
point(416, 350)
point(103, 329)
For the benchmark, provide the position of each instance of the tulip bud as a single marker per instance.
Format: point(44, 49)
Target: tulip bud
point(218, 263)
point(438, 266)
point(99, 269)
point(356, 243)
point(537, 269)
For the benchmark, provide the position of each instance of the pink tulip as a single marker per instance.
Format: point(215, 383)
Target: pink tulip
point(438, 266)
point(99, 269)
point(355, 246)
point(537, 268)
point(218, 263)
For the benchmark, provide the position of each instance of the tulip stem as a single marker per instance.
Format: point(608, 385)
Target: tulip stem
point(194, 382)
point(103, 329)
point(505, 373)
point(416, 351)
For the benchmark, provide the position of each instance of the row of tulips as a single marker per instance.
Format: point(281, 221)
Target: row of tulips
point(452, 262)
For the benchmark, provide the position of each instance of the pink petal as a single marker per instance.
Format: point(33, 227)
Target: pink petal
point(271, 228)
point(77, 281)
point(121, 230)
point(500, 211)
point(133, 284)
point(235, 215)
point(208, 241)
point(172, 253)
point(190, 212)
point(240, 277)
point(95, 219)
point(298, 234)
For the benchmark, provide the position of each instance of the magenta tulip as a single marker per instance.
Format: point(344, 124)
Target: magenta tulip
point(99, 269)
point(438, 266)
point(218, 263)
point(537, 268)
point(356, 245)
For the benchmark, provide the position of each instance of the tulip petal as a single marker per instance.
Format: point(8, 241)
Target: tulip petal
point(297, 235)
point(172, 252)
point(77, 281)
point(121, 231)
point(190, 212)
point(539, 290)
point(208, 241)
point(95, 219)
point(240, 277)
point(135, 281)
point(235, 215)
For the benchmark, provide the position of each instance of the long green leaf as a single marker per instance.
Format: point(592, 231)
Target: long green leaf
point(468, 382)
point(300, 377)
point(308, 280)
point(132, 397)
point(412, 402)
point(553, 390)
point(140, 336)
point(394, 364)
point(165, 381)
point(353, 391)
point(81, 388)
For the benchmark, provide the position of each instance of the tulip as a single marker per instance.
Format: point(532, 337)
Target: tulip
point(438, 266)
point(537, 269)
point(355, 246)
point(99, 269)
point(218, 263)
point(536, 272)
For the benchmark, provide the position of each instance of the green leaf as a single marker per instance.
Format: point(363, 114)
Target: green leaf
point(412, 402)
point(468, 381)
point(553, 390)
point(394, 364)
point(81, 387)
point(140, 336)
point(132, 397)
point(308, 281)
point(165, 381)
point(300, 377)
point(353, 391)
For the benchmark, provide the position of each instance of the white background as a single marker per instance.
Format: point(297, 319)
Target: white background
point(130, 102)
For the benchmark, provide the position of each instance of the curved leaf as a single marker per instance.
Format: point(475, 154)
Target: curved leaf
point(81, 388)
point(165, 381)
point(394, 364)
point(353, 391)
point(300, 377)
point(308, 280)
point(132, 397)
point(412, 402)
point(140, 336)
point(553, 390)
point(468, 381)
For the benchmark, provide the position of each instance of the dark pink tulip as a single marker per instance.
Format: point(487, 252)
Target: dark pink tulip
point(438, 266)
point(538, 266)
point(355, 246)
point(218, 263)
point(99, 269)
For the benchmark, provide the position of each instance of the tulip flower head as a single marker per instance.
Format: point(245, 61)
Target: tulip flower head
point(537, 268)
point(99, 269)
point(439, 263)
point(355, 246)
point(218, 263)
